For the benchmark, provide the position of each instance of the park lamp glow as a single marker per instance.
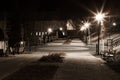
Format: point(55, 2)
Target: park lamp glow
point(22, 42)
point(83, 28)
point(49, 30)
point(114, 24)
point(63, 33)
point(61, 28)
point(87, 25)
point(99, 17)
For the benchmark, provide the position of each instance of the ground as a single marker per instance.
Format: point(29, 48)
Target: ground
point(79, 63)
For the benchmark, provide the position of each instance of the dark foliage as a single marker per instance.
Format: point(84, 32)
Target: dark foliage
point(52, 58)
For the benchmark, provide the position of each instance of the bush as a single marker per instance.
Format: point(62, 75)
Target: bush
point(54, 57)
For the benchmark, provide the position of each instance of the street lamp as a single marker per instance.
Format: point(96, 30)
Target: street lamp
point(99, 18)
point(82, 29)
point(61, 28)
point(49, 30)
point(49, 33)
point(86, 26)
point(114, 24)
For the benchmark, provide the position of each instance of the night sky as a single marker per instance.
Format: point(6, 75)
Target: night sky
point(22, 11)
point(57, 8)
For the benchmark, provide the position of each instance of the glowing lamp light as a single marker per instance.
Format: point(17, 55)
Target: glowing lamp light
point(99, 17)
point(87, 25)
point(49, 30)
point(36, 33)
point(82, 28)
point(114, 24)
point(63, 33)
point(61, 28)
point(22, 42)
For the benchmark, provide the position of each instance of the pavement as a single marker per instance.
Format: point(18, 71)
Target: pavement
point(60, 46)
point(80, 62)
point(12, 63)
point(83, 65)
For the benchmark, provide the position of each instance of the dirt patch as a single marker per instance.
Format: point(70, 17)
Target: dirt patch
point(53, 58)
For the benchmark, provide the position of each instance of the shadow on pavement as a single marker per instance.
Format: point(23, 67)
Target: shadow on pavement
point(43, 69)
point(114, 66)
point(34, 72)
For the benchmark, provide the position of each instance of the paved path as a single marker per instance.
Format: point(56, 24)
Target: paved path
point(59, 45)
point(12, 63)
point(83, 65)
point(79, 63)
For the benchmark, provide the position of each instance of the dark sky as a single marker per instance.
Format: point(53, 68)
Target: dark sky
point(57, 8)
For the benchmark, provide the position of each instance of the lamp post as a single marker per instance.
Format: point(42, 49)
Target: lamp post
point(99, 18)
point(61, 28)
point(49, 30)
point(114, 24)
point(86, 26)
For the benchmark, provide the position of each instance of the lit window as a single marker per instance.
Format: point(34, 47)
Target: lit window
point(36, 33)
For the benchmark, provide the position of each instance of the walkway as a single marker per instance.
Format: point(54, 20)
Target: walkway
point(83, 65)
point(80, 63)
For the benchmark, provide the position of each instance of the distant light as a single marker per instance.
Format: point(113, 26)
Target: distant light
point(31, 33)
point(114, 24)
point(39, 33)
point(42, 33)
point(82, 28)
point(87, 25)
point(46, 32)
point(36, 33)
point(22, 42)
point(49, 30)
point(61, 28)
point(63, 33)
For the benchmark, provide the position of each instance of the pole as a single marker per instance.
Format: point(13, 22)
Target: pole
point(89, 34)
point(5, 35)
point(99, 27)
